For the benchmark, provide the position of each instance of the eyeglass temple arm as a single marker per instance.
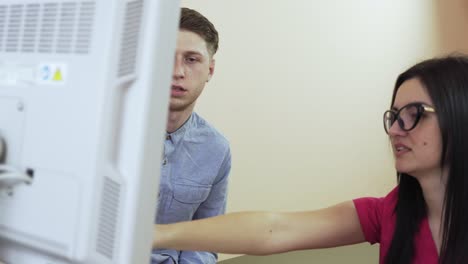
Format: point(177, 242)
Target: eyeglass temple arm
point(428, 108)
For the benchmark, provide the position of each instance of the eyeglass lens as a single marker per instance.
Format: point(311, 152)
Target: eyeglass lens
point(406, 117)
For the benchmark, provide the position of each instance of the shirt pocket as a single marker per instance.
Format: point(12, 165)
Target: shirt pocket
point(191, 194)
point(186, 200)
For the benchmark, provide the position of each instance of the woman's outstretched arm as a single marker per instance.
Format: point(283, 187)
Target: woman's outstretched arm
point(264, 233)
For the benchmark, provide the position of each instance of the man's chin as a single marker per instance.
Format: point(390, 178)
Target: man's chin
point(178, 107)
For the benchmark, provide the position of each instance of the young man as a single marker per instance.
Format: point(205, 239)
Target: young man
point(197, 158)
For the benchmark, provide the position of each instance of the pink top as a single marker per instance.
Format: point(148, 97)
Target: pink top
point(378, 225)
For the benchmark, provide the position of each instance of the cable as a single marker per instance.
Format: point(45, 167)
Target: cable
point(2, 149)
point(10, 176)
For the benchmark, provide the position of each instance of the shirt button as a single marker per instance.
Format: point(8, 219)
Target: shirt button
point(168, 137)
point(164, 161)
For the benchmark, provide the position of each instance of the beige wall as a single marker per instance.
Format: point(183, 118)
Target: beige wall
point(300, 88)
point(452, 23)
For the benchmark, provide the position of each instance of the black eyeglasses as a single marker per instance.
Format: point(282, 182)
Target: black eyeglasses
point(407, 117)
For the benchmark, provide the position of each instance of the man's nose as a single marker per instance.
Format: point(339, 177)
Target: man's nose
point(179, 71)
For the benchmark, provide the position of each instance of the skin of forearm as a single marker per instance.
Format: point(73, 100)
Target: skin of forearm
point(263, 233)
point(250, 233)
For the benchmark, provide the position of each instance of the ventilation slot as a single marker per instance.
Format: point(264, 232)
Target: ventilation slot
point(131, 32)
point(3, 16)
point(49, 20)
point(66, 27)
point(13, 29)
point(85, 27)
point(108, 218)
point(52, 27)
point(30, 28)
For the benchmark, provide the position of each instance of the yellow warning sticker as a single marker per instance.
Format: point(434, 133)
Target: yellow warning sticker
point(58, 75)
point(52, 73)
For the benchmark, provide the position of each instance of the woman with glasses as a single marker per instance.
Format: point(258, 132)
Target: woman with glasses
point(423, 220)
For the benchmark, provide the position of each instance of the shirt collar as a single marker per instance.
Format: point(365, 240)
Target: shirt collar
point(177, 135)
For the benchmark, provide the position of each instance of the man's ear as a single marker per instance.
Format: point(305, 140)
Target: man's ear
point(211, 69)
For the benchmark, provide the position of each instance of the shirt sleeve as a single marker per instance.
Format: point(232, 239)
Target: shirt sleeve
point(369, 211)
point(164, 256)
point(197, 257)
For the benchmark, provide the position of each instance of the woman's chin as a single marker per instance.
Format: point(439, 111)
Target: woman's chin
point(401, 168)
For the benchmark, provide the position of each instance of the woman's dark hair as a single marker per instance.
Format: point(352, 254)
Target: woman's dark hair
point(446, 81)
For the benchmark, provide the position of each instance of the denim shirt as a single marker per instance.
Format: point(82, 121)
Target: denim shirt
point(193, 185)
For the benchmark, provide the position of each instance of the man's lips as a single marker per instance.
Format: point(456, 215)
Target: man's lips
point(178, 87)
point(177, 90)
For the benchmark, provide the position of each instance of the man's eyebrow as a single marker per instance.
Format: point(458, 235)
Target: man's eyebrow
point(192, 52)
